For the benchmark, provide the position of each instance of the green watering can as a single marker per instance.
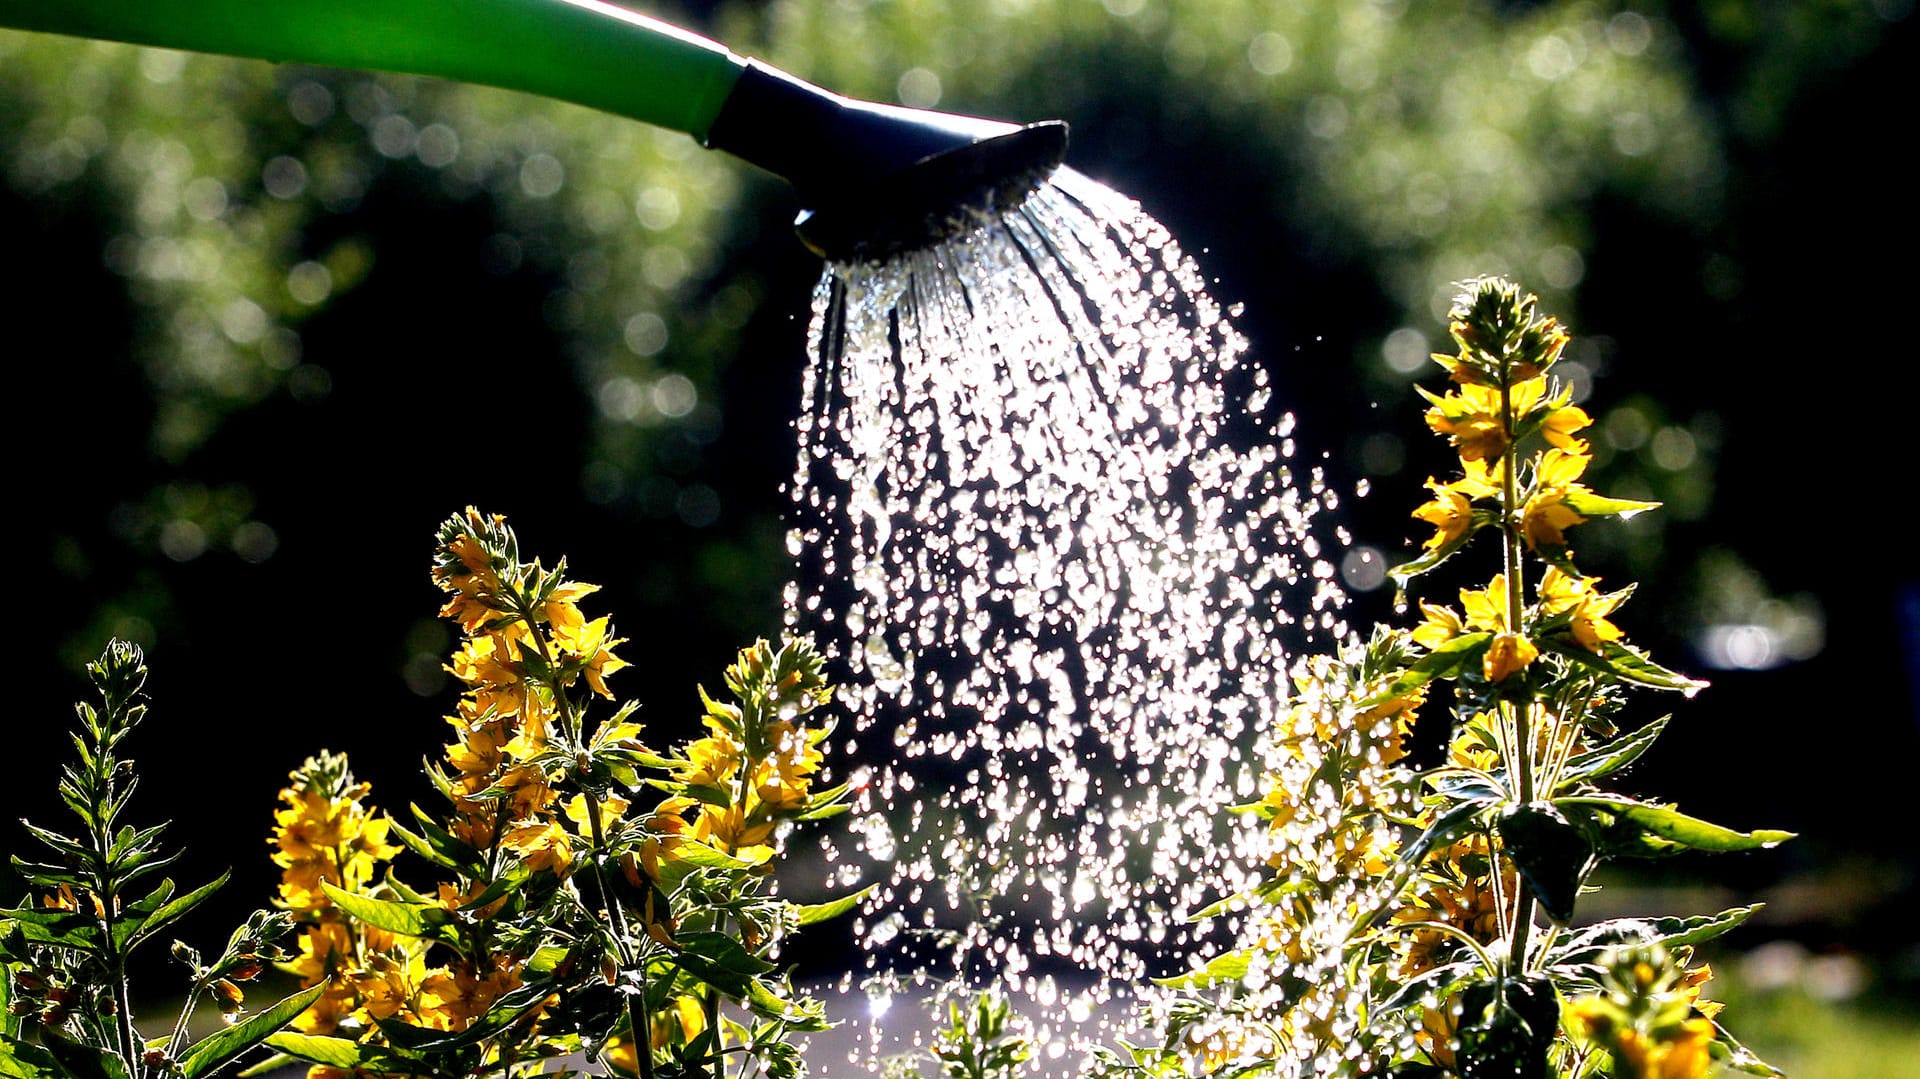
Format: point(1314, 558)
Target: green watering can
point(876, 180)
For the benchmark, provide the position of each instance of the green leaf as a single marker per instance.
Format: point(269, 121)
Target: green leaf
point(720, 961)
point(436, 844)
point(56, 928)
point(24, 1060)
point(1727, 1050)
point(708, 793)
point(813, 913)
point(1459, 654)
point(1433, 557)
point(82, 1061)
point(1677, 827)
point(1227, 967)
point(1591, 942)
point(1459, 819)
point(1611, 758)
point(222, 1046)
point(176, 908)
point(1624, 663)
point(408, 919)
point(1416, 987)
point(1553, 857)
point(695, 853)
point(1591, 504)
point(343, 1054)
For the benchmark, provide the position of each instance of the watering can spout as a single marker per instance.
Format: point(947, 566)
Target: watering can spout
point(876, 180)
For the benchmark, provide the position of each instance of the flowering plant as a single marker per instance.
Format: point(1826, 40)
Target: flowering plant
point(1422, 923)
point(587, 896)
point(565, 917)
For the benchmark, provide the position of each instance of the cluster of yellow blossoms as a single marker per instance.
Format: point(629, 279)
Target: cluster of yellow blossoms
point(1649, 1016)
point(525, 642)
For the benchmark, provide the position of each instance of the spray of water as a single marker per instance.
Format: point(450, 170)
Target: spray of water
point(1047, 516)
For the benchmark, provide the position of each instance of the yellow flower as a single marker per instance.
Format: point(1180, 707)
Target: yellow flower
point(1471, 421)
point(1683, 1055)
point(541, 844)
point(1562, 420)
point(732, 829)
point(611, 807)
point(588, 644)
point(1560, 593)
point(560, 607)
point(1546, 515)
point(1449, 512)
point(1486, 609)
point(712, 761)
point(453, 999)
point(1442, 625)
point(1437, 1035)
point(1508, 653)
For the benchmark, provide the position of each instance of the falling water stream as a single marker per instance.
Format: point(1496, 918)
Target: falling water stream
point(1047, 517)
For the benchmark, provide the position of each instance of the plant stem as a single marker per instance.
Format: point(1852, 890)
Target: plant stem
point(1521, 766)
point(636, 1002)
point(105, 890)
point(574, 731)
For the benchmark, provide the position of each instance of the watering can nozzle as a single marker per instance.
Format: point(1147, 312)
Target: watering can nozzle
point(877, 180)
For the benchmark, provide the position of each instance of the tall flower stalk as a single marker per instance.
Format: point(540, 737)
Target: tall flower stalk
point(566, 917)
point(64, 960)
point(1423, 923)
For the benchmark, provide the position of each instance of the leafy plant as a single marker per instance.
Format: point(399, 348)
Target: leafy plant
point(589, 895)
point(1423, 924)
point(65, 960)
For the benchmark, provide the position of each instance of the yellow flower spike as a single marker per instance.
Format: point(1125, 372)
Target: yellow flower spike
point(1508, 653)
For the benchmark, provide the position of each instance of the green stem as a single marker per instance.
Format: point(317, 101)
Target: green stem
point(106, 893)
point(636, 1002)
point(1521, 766)
point(571, 731)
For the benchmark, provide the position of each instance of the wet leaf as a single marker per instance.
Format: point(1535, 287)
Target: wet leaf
point(813, 913)
point(1592, 504)
point(24, 1060)
point(408, 919)
point(1728, 1050)
point(1231, 966)
point(1462, 653)
point(222, 1046)
point(1625, 663)
point(1589, 943)
point(1676, 827)
point(1611, 758)
point(1552, 855)
point(1507, 1027)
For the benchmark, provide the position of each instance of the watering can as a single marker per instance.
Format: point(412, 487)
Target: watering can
point(875, 180)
